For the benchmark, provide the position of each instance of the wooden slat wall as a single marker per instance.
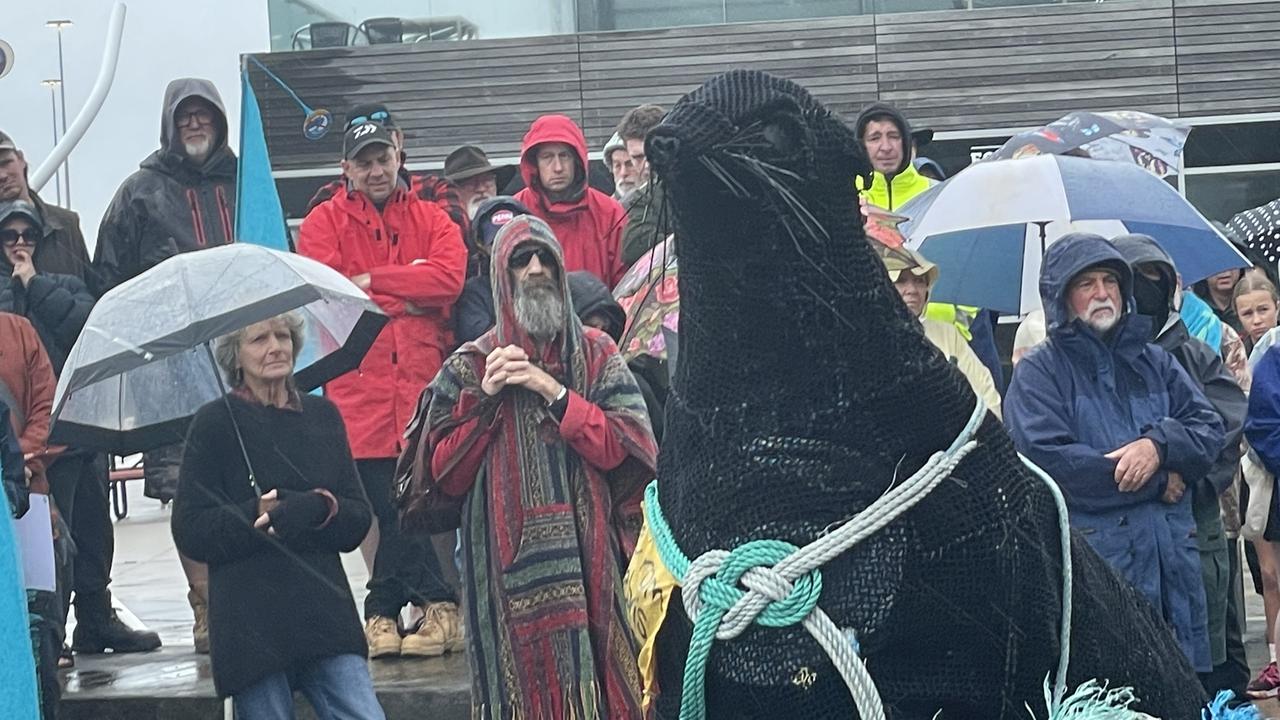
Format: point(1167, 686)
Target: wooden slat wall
point(1026, 66)
point(443, 95)
point(834, 58)
point(952, 70)
point(1228, 56)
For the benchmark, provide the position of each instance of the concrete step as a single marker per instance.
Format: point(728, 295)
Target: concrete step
point(176, 684)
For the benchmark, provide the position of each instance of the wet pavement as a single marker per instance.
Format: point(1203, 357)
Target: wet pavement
point(176, 684)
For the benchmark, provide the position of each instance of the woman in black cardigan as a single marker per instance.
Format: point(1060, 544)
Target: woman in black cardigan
point(281, 614)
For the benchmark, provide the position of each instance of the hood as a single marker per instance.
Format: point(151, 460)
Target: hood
point(527, 229)
point(1140, 249)
point(551, 128)
point(171, 157)
point(180, 90)
point(904, 127)
point(1067, 258)
point(591, 295)
point(615, 143)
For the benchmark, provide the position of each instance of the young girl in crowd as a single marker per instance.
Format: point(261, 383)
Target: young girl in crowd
point(1255, 300)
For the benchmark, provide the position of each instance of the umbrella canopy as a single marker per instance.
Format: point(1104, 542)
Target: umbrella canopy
point(1259, 229)
point(142, 365)
point(988, 226)
point(650, 295)
point(1149, 141)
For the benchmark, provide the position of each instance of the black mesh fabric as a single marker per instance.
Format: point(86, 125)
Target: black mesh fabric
point(803, 388)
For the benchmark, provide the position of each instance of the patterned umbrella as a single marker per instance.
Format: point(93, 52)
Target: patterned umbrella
point(1149, 141)
point(1259, 229)
point(651, 298)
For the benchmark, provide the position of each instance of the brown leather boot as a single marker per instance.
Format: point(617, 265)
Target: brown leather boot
point(440, 632)
point(200, 608)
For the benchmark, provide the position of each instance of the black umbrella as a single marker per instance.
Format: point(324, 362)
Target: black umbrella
point(143, 364)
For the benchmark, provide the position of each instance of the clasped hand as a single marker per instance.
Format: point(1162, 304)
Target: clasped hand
point(1135, 464)
point(510, 366)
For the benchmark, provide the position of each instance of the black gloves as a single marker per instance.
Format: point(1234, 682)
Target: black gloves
point(298, 512)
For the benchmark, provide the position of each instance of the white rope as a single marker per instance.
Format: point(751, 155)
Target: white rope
point(767, 585)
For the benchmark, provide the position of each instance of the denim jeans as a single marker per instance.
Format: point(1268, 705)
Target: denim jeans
point(338, 687)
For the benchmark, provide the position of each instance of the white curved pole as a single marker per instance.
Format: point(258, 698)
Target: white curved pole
point(106, 74)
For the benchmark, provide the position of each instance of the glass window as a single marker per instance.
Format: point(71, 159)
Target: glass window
point(1218, 196)
point(1233, 144)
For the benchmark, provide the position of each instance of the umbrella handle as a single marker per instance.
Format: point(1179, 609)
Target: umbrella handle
point(253, 480)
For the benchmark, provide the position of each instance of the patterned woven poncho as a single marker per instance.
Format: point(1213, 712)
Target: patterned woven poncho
point(543, 527)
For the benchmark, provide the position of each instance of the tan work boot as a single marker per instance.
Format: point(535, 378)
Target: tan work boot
point(438, 633)
point(199, 629)
point(383, 637)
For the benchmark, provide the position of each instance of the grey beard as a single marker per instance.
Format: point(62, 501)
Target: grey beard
point(539, 310)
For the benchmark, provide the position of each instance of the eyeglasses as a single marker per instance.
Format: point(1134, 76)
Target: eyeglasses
point(521, 257)
point(378, 116)
point(201, 117)
point(10, 237)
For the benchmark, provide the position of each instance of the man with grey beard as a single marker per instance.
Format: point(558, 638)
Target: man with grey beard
point(181, 198)
point(539, 424)
point(1122, 428)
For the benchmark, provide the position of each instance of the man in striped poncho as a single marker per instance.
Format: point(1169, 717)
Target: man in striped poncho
point(541, 426)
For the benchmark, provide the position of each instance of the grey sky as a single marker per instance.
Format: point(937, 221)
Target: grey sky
point(163, 39)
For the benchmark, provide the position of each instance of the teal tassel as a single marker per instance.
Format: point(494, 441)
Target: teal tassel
point(1091, 701)
point(1218, 709)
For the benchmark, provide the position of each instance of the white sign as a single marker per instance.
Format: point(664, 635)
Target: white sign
point(35, 542)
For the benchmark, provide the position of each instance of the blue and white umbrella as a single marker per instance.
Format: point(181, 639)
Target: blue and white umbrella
point(987, 227)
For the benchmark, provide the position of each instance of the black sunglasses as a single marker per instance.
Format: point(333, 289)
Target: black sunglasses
point(522, 256)
point(378, 116)
point(10, 237)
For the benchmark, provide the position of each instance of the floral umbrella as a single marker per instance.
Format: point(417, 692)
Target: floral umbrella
point(648, 293)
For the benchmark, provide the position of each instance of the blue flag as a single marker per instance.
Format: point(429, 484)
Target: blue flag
point(259, 216)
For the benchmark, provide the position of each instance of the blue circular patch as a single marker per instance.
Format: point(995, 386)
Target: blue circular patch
point(317, 124)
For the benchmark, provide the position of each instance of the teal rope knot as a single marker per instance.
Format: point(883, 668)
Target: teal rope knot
point(712, 587)
point(721, 591)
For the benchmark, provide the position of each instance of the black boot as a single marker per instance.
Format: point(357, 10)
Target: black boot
point(98, 629)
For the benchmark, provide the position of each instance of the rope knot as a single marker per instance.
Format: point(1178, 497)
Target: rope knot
point(743, 586)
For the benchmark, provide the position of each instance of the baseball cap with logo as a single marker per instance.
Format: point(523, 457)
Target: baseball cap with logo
point(492, 215)
point(360, 137)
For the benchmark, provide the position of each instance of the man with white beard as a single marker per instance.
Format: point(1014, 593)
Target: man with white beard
point(183, 195)
point(182, 198)
point(1122, 428)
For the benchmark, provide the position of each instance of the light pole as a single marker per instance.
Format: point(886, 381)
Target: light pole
point(66, 164)
point(53, 106)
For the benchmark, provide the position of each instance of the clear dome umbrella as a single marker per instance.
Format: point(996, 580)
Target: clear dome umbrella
point(144, 363)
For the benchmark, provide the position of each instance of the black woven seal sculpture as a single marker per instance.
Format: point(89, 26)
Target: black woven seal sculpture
point(803, 392)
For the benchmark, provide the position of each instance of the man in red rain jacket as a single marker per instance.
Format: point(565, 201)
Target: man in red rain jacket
point(588, 223)
point(408, 255)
